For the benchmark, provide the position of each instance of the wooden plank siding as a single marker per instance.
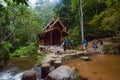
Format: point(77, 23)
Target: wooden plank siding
point(55, 30)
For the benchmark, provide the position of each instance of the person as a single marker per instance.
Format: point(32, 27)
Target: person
point(100, 46)
point(85, 43)
point(94, 45)
point(71, 43)
point(64, 44)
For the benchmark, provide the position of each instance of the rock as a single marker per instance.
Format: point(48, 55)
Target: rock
point(63, 73)
point(38, 72)
point(55, 56)
point(85, 58)
point(29, 75)
point(59, 58)
point(58, 52)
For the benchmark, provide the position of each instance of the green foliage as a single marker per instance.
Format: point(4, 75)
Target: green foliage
point(111, 3)
point(4, 52)
point(74, 34)
point(74, 5)
point(21, 51)
point(63, 11)
point(111, 49)
point(30, 49)
point(1, 56)
point(18, 1)
point(6, 47)
point(39, 59)
point(19, 24)
point(108, 21)
point(101, 18)
point(118, 38)
point(45, 10)
point(2, 16)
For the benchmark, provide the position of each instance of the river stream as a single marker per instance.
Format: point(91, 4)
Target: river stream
point(100, 67)
point(15, 67)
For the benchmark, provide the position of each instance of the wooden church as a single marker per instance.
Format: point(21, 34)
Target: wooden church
point(53, 33)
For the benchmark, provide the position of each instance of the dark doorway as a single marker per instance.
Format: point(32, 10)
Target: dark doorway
point(56, 37)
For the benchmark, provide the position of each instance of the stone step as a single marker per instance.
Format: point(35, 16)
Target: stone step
point(85, 58)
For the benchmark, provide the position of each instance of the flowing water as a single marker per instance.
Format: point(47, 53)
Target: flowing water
point(15, 67)
point(100, 67)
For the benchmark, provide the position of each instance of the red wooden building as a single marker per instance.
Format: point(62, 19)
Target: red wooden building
point(53, 33)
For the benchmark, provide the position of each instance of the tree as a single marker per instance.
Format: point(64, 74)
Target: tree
point(20, 24)
point(45, 10)
point(63, 11)
point(18, 1)
point(108, 20)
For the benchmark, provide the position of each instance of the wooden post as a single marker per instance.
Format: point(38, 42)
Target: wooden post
point(57, 63)
point(52, 61)
point(60, 37)
point(45, 68)
point(51, 38)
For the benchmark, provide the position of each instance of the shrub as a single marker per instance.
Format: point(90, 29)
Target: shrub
point(4, 52)
point(1, 57)
point(111, 49)
point(30, 49)
point(39, 59)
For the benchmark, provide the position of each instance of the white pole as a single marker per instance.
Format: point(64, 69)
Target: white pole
point(81, 21)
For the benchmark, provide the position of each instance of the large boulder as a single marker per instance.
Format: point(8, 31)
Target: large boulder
point(29, 75)
point(63, 73)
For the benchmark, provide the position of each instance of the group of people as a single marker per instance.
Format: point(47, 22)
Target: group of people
point(97, 45)
point(64, 44)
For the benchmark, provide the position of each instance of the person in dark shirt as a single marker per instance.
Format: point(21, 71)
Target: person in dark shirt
point(94, 45)
point(64, 44)
point(85, 43)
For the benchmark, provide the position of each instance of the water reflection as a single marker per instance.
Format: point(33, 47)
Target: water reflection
point(101, 67)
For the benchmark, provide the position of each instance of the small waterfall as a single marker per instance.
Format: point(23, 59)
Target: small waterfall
point(5, 76)
point(11, 74)
point(16, 74)
point(15, 68)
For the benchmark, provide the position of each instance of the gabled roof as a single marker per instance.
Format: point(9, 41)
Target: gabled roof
point(49, 24)
point(53, 22)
